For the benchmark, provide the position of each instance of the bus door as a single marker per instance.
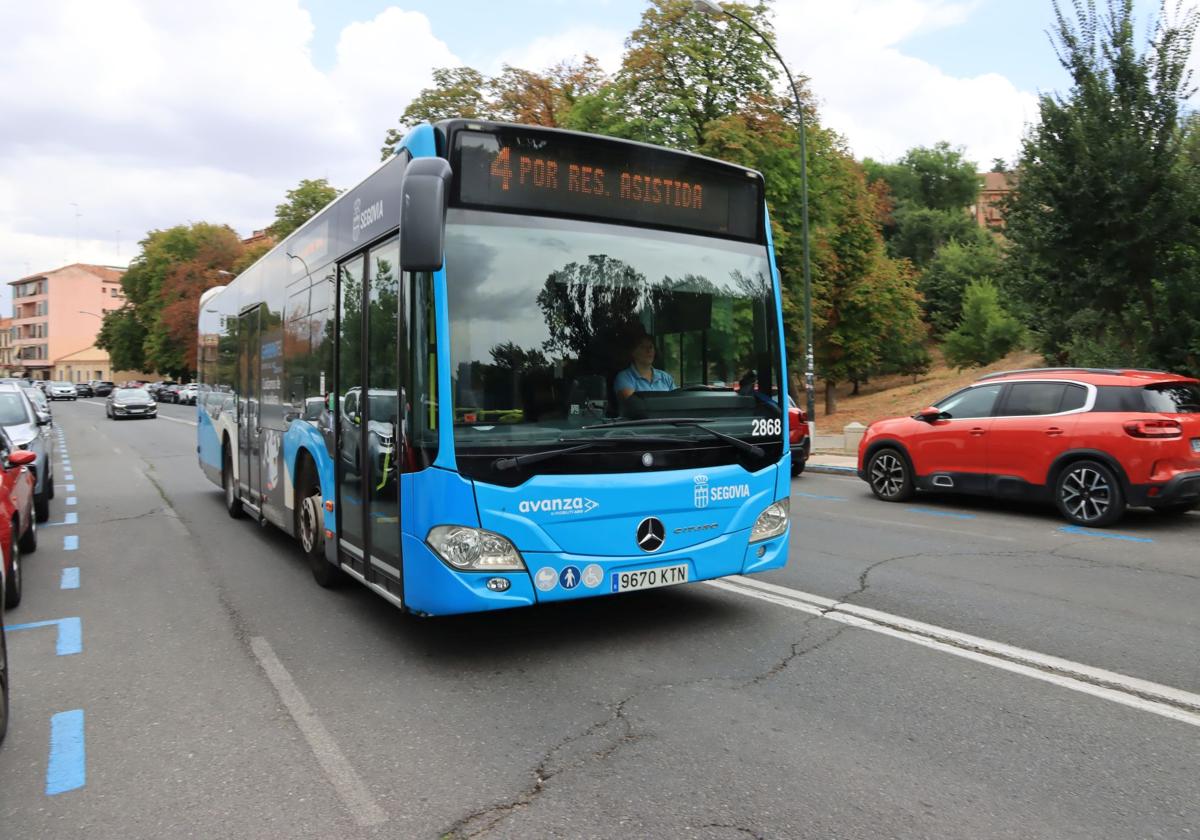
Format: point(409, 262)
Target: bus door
point(250, 392)
point(369, 418)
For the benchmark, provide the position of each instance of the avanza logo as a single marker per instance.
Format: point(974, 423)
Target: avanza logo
point(558, 507)
point(364, 218)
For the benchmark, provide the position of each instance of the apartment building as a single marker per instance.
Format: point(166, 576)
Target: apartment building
point(58, 313)
point(6, 352)
point(995, 189)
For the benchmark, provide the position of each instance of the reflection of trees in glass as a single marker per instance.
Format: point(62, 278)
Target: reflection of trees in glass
point(350, 340)
point(383, 316)
point(589, 304)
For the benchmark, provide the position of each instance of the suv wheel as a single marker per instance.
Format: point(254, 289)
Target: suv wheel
point(1087, 493)
point(889, 476)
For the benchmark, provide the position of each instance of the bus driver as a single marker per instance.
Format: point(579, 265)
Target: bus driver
point(642, 375)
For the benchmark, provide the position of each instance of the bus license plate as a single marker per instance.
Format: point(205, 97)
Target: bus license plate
point(649, 578)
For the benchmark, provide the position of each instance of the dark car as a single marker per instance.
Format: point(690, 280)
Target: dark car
point(169, 393)
point(18, 525)
point(130, 402)
point(83, 389)
point(101, 388)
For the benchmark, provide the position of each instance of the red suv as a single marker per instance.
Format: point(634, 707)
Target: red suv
point(1093, 441)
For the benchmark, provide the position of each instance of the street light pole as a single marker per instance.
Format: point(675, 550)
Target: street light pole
point(715, 9)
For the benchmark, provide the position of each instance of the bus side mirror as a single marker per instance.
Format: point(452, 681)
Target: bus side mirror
point(423, 214)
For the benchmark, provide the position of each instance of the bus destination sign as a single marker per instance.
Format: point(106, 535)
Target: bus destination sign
point(561, 174)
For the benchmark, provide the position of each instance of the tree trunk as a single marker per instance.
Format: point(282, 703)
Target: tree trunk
point(854, 393)
point(830, 397)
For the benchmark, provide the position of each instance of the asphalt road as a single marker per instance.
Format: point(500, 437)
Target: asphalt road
point(221, 693)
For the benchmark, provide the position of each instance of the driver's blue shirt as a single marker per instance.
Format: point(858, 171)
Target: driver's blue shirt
point(630, 379)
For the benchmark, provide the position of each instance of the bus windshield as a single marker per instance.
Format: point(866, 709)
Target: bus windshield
point(561, 330)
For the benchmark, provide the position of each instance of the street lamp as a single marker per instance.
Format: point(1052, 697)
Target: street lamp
point(715, 9)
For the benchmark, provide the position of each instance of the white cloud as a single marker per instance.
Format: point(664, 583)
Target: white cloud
point(886, 102)
point(605, 45)
point(150, 114)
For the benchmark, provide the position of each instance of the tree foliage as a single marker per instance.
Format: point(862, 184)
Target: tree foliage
point(156, 329)
point(302, 203)
point(987, 332)
point(945, 279)
point(1104, 226)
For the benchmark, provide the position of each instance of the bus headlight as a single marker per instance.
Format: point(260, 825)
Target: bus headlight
point(771, 522)
point(474, 550)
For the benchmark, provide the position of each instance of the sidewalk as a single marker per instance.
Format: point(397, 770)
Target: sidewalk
point(821, 462)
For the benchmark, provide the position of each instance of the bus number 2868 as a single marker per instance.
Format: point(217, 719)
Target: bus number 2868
point(767, 428)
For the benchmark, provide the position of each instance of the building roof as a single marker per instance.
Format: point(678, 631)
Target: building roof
point(104, 272)
point(998, 181)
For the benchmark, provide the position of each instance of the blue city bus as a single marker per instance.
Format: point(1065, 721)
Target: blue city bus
point(515, 365)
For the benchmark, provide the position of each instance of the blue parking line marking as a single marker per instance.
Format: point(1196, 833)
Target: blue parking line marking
point(70, 543)
point(67, 767)
point(70, 488)
point(70, 633)
point(69, 477)
point(71, 500)
point(817, 496)
point(70, 578)
point(945, 513)
point(1092, 532)
point(68, 519)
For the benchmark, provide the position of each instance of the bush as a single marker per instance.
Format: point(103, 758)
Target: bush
point(986, 333)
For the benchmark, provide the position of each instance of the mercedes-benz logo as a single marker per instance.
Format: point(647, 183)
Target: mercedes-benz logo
point(650, 534)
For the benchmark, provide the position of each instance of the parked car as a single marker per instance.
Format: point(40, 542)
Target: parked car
point(1092, 441)
point(18, 525)
point(156, 387)
point(169, 393)
point(101, 388)
point(28, 430)
point(130, 402)
point(41, 405)
point(59, 390)
point(186, 394)
point(3, 667)
point(798, 439)
point(83, 389)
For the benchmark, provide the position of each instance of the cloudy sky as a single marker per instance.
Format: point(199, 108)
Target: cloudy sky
point(122, 116)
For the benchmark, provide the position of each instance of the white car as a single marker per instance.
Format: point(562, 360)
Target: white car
point(61, 391)
point(187, 394)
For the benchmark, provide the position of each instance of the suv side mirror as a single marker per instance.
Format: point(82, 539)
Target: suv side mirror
point(928, 415)
point(423, 214)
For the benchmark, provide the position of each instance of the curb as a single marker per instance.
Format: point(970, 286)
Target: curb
point(831, 470)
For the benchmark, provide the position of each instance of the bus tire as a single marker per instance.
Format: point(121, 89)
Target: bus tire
point(310, 531)
point(233, 505)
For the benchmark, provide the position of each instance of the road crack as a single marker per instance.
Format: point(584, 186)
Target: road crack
point(616, 731)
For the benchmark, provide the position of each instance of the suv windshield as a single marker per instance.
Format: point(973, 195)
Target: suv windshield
point(1173, 398)
point(13, 409)
point(558, 327)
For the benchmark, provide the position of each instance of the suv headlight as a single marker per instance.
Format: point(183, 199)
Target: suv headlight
point(474, 550)
point(771, 522)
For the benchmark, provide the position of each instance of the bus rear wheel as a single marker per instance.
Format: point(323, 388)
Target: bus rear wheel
point(232, 503)
point(310, 531)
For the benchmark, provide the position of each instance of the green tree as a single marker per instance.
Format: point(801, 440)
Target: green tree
point(156, 329)
point(455, 92)
point(682, 70)
point(123, 335)
point(304, 202)
point(1104, 229)
point(987, 332)
point(945, 279)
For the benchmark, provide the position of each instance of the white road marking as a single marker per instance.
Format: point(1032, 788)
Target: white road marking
point(176, 420)
point(350, 788)
point(1144, 695)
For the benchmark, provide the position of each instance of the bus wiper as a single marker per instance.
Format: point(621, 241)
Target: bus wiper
point(692, 422)
point(533, 457)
